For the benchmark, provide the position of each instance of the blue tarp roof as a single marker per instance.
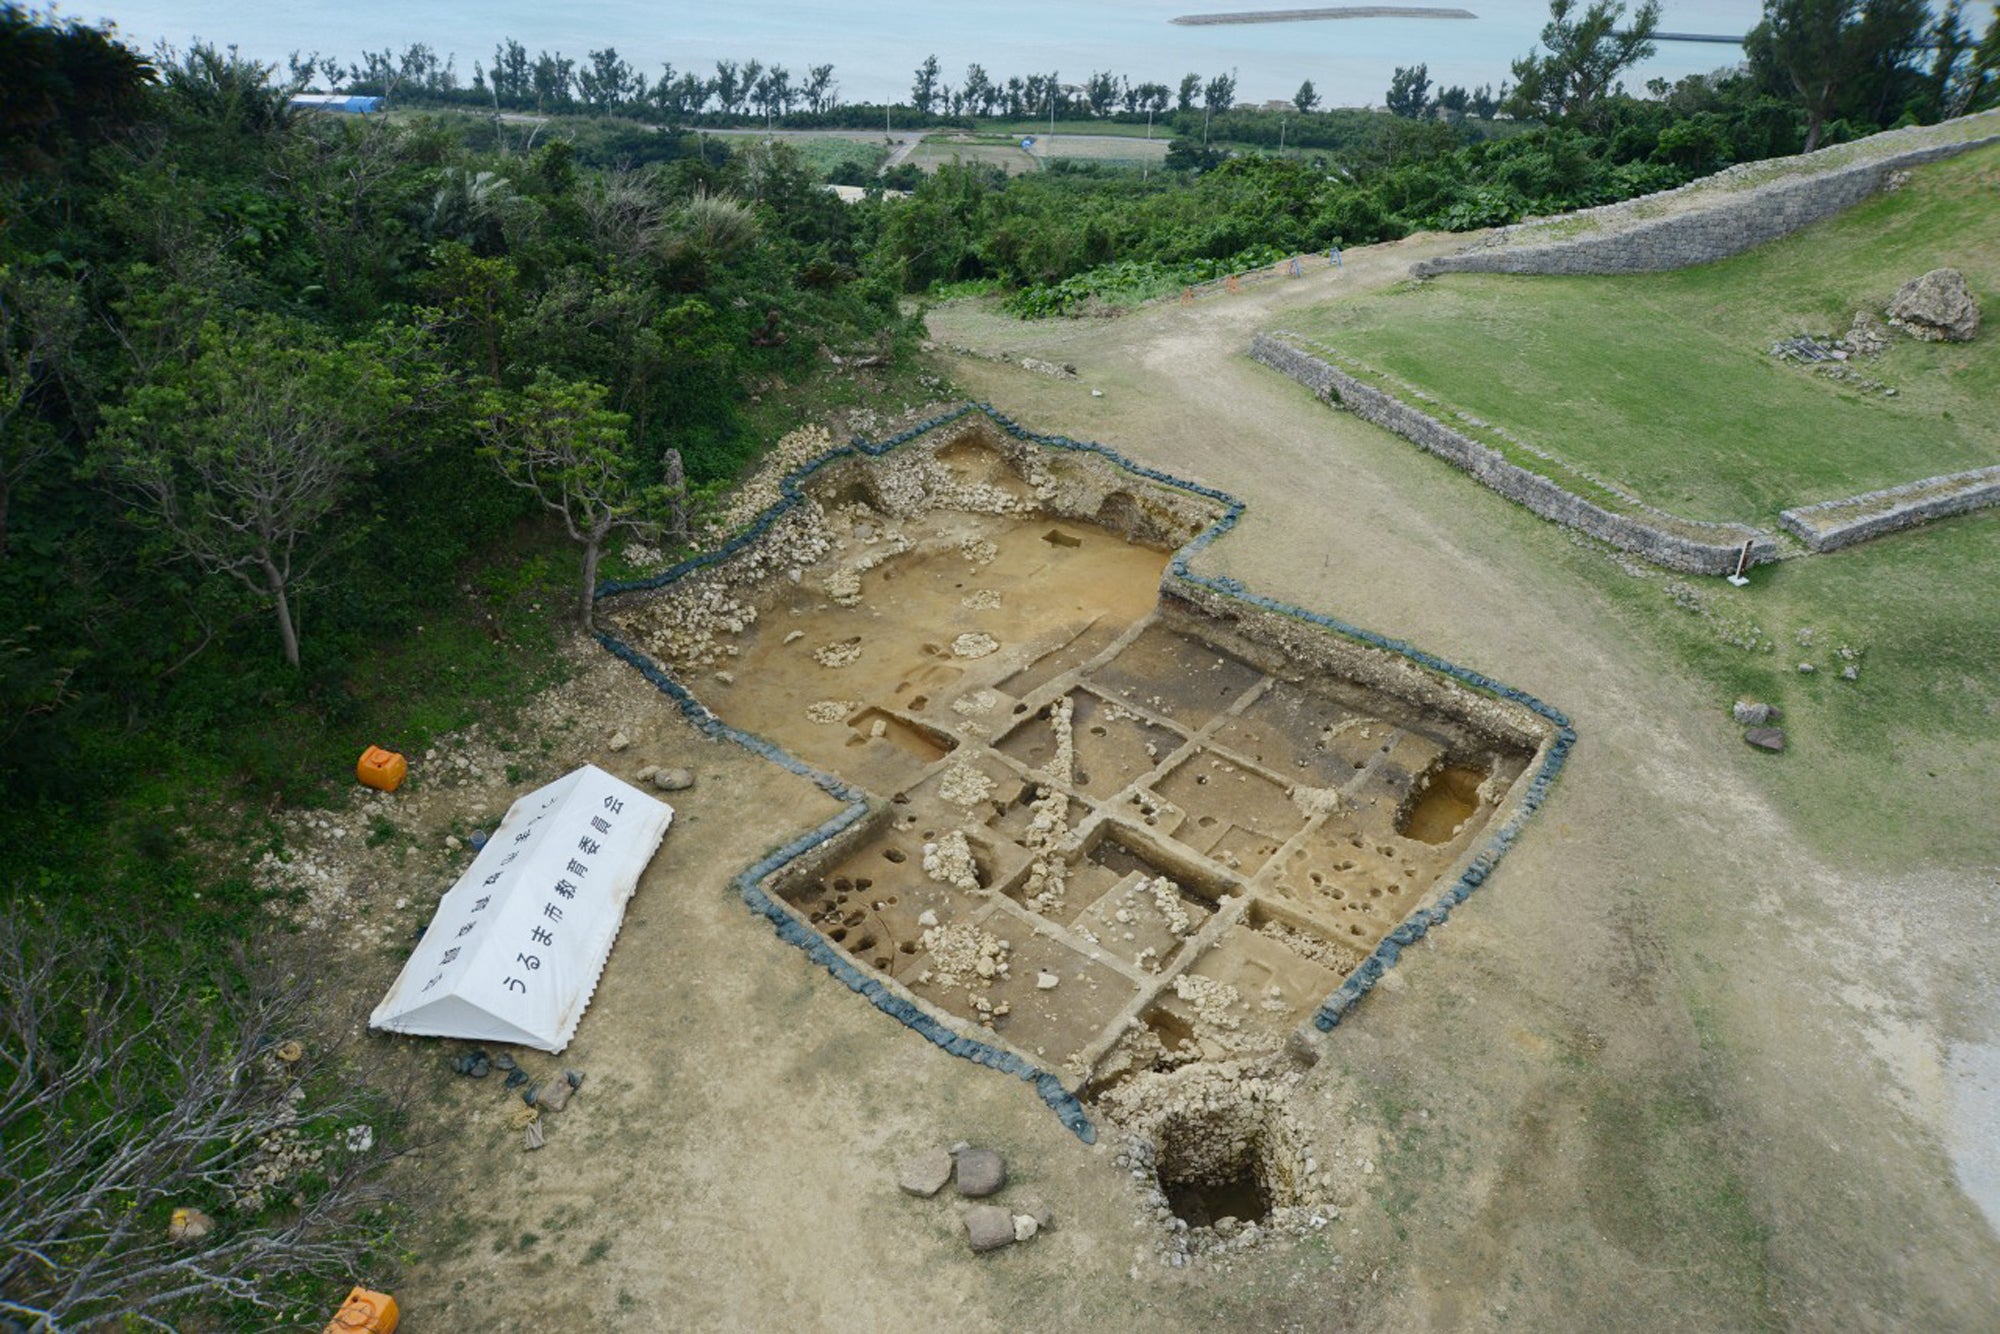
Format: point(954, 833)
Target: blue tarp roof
point(337, 102)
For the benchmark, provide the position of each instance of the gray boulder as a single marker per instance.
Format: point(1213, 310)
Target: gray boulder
point(988, 1227)
point(1937, 307)
point(981, 1172)
point(1766, 738)
point(923, 1175)
point(673, 780)
point(1748, 714)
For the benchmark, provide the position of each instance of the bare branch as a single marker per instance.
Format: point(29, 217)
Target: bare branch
point(123, 1097)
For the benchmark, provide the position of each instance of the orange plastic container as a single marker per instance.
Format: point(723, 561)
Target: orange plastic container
point(370, 1312)
point(383, 769)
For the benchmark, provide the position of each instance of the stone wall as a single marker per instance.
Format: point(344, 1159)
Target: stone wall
point(1833, 524)
point(1625, 241)
point(1652, 541)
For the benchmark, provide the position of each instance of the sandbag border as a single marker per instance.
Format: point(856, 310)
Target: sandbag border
point(748, 883)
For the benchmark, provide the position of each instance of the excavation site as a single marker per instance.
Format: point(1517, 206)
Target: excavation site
point(1136, 834)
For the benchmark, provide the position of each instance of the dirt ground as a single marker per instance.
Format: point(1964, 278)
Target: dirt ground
point(1669, 1069)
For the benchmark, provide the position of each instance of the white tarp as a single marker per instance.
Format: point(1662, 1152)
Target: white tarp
point(515, 949)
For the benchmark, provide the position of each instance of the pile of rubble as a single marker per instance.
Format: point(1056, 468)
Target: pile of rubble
point(538, 1098)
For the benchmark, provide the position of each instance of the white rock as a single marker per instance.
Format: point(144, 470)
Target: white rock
point(1046, 981)
point(619, 741)
point(1025, 1227)
point(927, 918)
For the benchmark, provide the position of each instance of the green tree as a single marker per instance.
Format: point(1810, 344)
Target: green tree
point(924, 92)
point(728, 87)
point(243, 457)
point(40, 321)
point(1306, 98)
point(1190, 89)
point(1409, 94)
point(1840, 59)
point(1584, 53)
point(608, 82)
point(1982, 78)
point(1100, 90)
point(820, 92)
point(1800, 46)
point(61, 83)
point(979, 90)
point(1220, 94)
point(557, 440)
point(476, 302)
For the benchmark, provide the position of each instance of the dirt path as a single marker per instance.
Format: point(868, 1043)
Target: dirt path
point(1667, 1070)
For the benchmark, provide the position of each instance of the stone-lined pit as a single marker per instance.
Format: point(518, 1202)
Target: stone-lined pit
point(1134, 841)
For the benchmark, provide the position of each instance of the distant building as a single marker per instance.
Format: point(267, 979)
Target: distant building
point(854, 194)
point(338, 102)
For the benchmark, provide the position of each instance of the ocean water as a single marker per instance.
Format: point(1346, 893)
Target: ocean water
point(875, 47)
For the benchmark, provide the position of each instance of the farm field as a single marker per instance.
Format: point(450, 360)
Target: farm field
point(939, 148)
point(1664, 383)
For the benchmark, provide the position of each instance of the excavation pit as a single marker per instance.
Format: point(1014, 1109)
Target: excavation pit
point(1120, 826)
point(1235, 1195)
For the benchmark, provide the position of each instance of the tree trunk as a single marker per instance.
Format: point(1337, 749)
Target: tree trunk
point(675, 480)
point(287, 631)
point(591, 548)
point(6, 501)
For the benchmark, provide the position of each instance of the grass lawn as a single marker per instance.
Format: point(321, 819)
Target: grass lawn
point(1892, 766)
point(1663, 383)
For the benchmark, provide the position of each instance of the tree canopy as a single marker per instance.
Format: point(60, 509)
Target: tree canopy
point(1852, 58)
point(1581, 56)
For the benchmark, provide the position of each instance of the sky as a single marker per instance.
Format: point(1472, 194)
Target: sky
point(875, 47)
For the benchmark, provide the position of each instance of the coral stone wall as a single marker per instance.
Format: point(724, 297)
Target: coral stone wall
point(1834, 524)
point(1729, 225)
